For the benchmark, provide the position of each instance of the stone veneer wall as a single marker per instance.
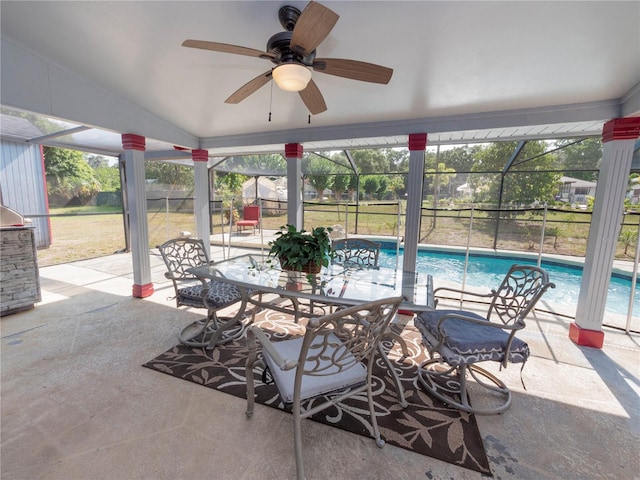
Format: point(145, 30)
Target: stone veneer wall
point(19, 278)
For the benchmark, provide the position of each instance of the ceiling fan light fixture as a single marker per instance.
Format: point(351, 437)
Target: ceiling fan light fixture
point(292, 77)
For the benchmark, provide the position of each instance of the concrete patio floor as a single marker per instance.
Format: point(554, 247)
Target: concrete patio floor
point(77, 404)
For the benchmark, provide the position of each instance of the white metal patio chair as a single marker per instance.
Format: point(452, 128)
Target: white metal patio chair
point(179, 255)
point(332, 361)
point(356, 252)
point(462, 339)
point(363, 253)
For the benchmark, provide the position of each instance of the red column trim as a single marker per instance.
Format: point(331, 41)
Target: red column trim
point(143, 291)
point(131, 141)
point(417, 141)
point(293, 150)
point(200, 155)
point(585, 337)
point(621, 129)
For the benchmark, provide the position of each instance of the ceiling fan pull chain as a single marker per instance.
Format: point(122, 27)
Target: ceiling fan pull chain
point(270, 100)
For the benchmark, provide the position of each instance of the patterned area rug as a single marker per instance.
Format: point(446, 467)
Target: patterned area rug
point(426, 426)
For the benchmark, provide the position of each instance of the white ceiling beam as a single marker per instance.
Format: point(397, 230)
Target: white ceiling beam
point(593, 111)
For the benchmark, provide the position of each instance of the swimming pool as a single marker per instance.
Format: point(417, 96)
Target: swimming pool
point(487, 270)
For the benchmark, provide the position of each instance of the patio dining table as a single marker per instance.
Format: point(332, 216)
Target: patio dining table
point(305, 295)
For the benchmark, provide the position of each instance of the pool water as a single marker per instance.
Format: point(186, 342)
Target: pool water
point(488, 271)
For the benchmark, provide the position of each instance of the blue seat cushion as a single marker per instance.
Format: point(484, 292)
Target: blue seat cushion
point(221, 294)
point(466, 342)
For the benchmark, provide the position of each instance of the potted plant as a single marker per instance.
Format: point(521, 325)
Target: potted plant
point(300, 250)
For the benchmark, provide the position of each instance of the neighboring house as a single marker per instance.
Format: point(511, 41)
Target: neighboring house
point(464, 191)
point(273, 194)
point(575, 190)
point(22, 176)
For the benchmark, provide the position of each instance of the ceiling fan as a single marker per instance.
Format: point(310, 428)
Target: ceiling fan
point(294, 54)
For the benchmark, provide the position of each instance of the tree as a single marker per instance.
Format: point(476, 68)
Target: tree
point(580, 159)
point(461, 159)
point(70, 179)
point(169, 173)
point(381, 192)
point(371, 185)
point(339, 185)
point(398, 159)
point(528, 179)
point(108, 177)
point(371, 161)
point(628, 238)
point(352, 187)
point(397, 185)
point(97, 161)
point(439, 177)
point(106, 171)
point(319, 175)
point(228, 185)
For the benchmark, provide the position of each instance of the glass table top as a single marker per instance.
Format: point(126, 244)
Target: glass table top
point(334, 284)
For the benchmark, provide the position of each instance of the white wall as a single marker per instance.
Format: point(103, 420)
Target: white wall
point(22, 185)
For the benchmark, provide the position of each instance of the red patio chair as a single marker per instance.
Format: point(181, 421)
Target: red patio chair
point(250, 218)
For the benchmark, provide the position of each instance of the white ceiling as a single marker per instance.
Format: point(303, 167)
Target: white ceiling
point(462, 70)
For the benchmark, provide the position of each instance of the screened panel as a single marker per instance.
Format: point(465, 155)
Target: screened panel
point(380, 161)
point(327, 163)
point(169, 190)
point(253, 165)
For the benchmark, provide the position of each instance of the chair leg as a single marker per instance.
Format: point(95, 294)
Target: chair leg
point(230, 330)
point(392, 371)
point(480, 375)
point(449, 384)
point(250, 363)
point(197, 333)
point(401, 341)
point(372, 413)
point(297, 440)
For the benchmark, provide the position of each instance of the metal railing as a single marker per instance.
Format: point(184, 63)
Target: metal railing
point(534, 229)
point(540, 229)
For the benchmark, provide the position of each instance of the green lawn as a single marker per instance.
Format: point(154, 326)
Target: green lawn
point(99, 231)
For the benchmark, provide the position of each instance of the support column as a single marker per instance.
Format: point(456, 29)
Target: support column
point(293, 152)
point(417, 145)
point(134, 146)
point(618, 137)
point(201, 204)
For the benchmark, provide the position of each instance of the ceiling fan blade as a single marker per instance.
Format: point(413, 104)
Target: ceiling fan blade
point(313, 26)
point(226, 48)
point(313, 99)
point(249, 88)
point(353, 69)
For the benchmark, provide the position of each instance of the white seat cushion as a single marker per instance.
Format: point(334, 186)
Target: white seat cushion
point(313, 385)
